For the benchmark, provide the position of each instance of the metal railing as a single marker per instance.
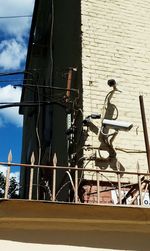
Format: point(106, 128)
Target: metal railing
point(126, 192)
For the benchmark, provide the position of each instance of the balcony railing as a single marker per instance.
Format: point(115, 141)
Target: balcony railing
point(120, 192)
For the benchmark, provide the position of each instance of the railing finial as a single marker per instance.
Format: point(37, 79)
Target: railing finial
point(55, 160)
point(10, 156)
point(32, 159)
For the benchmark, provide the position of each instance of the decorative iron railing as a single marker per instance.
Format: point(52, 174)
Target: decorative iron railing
point(125, 192)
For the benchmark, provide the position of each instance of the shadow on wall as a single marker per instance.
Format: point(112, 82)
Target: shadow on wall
point(106, 137)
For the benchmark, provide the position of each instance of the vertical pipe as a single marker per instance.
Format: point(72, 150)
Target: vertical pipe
point(98, 188)
point(76, 184)
point(7, 183)
point(119, 182)
point(8, 175)
point(119, 188)
point(145, 130)
point(69, 80)
point(31, 183)
point(54, 185)
point(31, 175)
point(139, 184)
point(54, 177)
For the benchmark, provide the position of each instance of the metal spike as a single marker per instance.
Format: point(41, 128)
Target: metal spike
point(10, 157)
point(55, 160)
point(32, 159)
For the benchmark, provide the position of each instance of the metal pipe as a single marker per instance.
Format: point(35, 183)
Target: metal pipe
point(7, 183)
point(69, 82)
point(145, 130)
point(98, 188)
point(119, 183)
point(31, 183)
point(119, 188)
point(76, 184)
point(54, 185)
point(54, 177)
point(140, 187)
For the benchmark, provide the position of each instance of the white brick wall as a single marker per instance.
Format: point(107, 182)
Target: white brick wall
point(116, 44)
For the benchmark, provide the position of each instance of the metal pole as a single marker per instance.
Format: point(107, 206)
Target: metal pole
point(54, 177)
point(31, 183)
point(76, 184)
point(145, 130)
point(7, 183)
point(54, 185)
point(8, 175)
point(139, 184)
point(98, 188)
point(119, 183)
point(69, 82)
point(31, 175)
point(119, 188)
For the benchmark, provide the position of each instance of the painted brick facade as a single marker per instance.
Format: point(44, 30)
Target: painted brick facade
point(116, 45)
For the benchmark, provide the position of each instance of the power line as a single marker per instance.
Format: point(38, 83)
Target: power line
point(25, 104)
point(37, 85)
point(51, 87)
point(14, 80)
point(23, 16)
point(14, 73)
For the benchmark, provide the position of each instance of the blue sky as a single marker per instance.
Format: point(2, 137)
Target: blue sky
point(14, 33)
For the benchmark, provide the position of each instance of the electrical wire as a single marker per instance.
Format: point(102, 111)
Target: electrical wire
point(39, 141)
point(57, 97)
point(22, 16)
point(40, 86)
point(14, 80)
point(52, 87)
point(82, 174)
point(19, 104)
point(51, 58)
point(51, 41)
point(15, 73)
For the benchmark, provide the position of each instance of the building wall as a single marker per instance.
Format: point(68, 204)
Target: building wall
point(115, 45)
point(54, 48)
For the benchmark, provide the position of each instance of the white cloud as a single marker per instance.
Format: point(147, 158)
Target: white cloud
point(18, 26)
point(10, 115)
point(16, 175)
point(3, 170)
point(14, 32)
point(12, 54)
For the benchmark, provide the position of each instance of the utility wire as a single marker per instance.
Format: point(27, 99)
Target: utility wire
point(14, 80)
point(15, 73)
point(23, 16)
point(49, 87)
point(19, 104)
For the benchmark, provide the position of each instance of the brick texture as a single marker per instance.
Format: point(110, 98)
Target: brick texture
point(116, 45)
